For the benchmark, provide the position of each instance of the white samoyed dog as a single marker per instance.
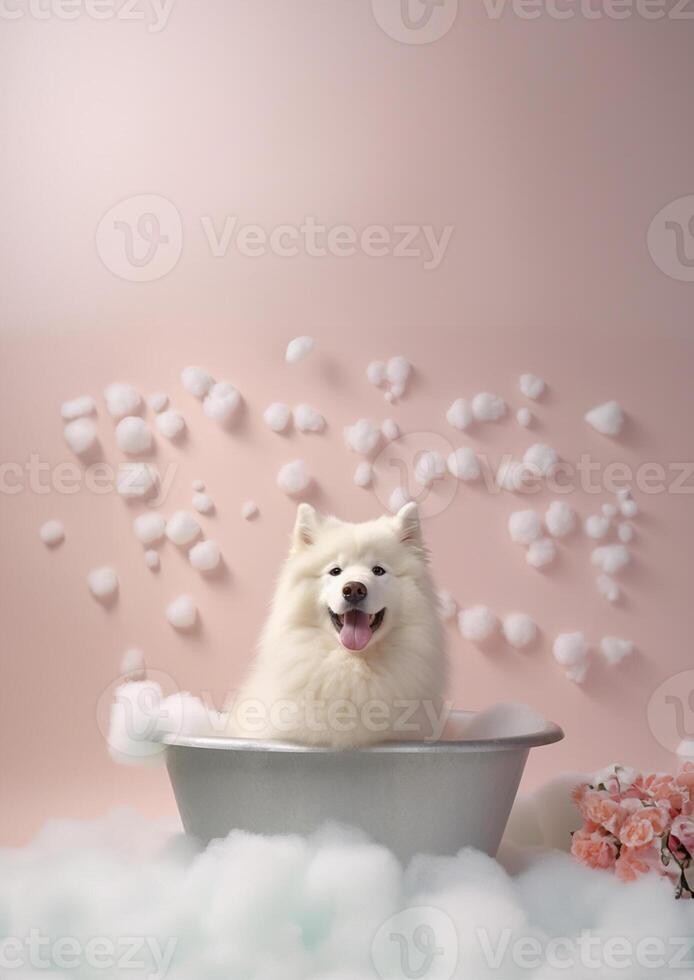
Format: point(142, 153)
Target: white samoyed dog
point(353, 651)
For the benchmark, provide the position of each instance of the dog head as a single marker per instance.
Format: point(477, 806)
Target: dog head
point(358, 582)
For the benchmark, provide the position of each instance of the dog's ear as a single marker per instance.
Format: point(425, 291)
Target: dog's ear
point(407, 523)
point(308, 521)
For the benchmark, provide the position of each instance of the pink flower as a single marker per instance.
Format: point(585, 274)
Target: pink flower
point(675, 848)
point(683, 831)
point(629, 817)
point(579, 792)
point(665, 790)
point(658, 816)
point(616, 779)
point(639, 829)
point(599, 808)
point(633, 861)
point(685, 781)
point(594, 848)
point(642, 787)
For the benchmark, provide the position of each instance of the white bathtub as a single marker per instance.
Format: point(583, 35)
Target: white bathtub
point(414, 797)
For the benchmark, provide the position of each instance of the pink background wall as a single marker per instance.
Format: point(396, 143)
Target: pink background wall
point(547, 145)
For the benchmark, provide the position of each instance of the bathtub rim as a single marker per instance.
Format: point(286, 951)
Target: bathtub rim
point(548, 735)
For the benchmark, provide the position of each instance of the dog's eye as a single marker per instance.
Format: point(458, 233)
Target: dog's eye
point(335, 571)
point(377, 570)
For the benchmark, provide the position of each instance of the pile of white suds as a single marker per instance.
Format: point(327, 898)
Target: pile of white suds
point(221, 401)
point(392, 375)
point(333, 906)
point(537, 530)
point(573, 652)
point(308, 419)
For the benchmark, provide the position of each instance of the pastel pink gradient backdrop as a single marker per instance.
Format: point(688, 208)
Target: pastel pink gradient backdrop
point(547, 145)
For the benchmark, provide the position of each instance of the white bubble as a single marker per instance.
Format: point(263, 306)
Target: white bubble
point(459, 415)
point(524, 526)
point(519, 629)
point(570, 649)
point(531, 385)
point(541, 552)
point(149, 527)
point(80, 435)
point(170, 423)
point(102, 582)
point(463, 464)
point(222, 401)
point(203, 503)
point(133, 435)
point(249, 510)
point(478, 623)
point(308, 419)
point(52, 533)
point(298, 349)
point(205, 555)
point(158, 401)
point(376, 373)
point(182, 613)
point(135, 480)
point(76, 408)
point(607, 419)
point(277, 416)
point(363, 474)
point(362, 437)
point(182, 528)
point(152, 560)
point(487, 407)
point(197, 381)
point(122, 399)
point(293, 477)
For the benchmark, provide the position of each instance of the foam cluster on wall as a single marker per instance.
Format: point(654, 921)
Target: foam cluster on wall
point(542, 535)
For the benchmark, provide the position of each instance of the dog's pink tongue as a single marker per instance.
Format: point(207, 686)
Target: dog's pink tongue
point(355, 632)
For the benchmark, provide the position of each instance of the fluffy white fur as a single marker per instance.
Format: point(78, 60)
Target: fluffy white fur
point(304, 684)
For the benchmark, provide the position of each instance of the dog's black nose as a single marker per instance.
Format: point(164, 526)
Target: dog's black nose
point(354, 591)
